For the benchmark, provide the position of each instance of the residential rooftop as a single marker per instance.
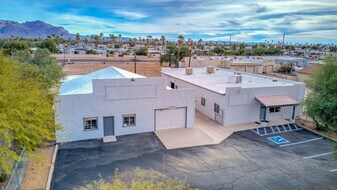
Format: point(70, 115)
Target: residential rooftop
point(249, 58)
point(218, 81)
point(289, 58)
point(83, 84)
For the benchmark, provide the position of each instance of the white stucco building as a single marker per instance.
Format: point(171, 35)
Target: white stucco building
point(232, 98)
point(113, 102)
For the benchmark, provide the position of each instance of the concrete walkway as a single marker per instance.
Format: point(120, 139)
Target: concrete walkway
point(205, 132)
point(184, 137)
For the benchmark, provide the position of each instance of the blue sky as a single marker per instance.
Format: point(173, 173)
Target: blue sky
point(313, 21)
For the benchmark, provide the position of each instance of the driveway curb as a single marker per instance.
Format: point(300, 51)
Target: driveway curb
point(51, 170)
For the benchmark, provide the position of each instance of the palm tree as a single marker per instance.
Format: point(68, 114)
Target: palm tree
point(78, 38)
point(163, 40)
point(180, 44)
point(191, 47)
point(119, 39)
point(113, 38)
point(86, 41)
point(155, 43)
point(96, 40)
point(148, 39)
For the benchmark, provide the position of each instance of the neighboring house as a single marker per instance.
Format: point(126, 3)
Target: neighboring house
point(255, 65)
point(76, 51)
point(113, 102)
point(230, 98)
point(281, 60)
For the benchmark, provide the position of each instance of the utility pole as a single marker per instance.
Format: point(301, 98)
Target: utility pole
point(135, 61)
point(283, 40)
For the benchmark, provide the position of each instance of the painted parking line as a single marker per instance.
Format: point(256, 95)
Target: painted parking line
point(318, 155)
point(301, 142)
point(261, 134)
point(335, 170)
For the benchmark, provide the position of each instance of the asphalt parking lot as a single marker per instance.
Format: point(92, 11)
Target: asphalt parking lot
point(245, 160)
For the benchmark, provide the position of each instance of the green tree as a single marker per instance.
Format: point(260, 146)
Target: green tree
point(163, 42)
point(138, 179)
point(142, 51)
point(10, 46)
point(22, 55)
point(26, 114)
point(112, 38)
point(242, 48)
point(47, 70)
point(286, 68)
point(131, 43)
point(50, 45)
point(259, 50)
point(78, 38)
point(180, 44)
point(233, 47)
point(218, 50)
point(171, 55)
point(90, 51)
point(96, 39)
point(321, 102)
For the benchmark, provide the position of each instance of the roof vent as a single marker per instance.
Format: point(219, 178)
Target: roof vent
point(235, 79)
point(210, 69)
point(189, 71)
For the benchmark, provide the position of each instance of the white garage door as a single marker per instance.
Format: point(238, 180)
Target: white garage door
point(170, 118)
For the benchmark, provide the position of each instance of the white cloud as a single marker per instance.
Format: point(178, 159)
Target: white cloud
point(130, 15)
point(215, 19)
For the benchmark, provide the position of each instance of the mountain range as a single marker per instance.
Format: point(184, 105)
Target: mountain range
point(33, 29)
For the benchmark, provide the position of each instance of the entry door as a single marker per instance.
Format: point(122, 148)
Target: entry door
point(109, 126)
point(262, 111)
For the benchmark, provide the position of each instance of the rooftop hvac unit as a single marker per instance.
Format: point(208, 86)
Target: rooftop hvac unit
point(210, 69)
point(235, 79)
point(189, 71)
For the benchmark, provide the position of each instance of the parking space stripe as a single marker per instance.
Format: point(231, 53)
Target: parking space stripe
point(335, 170)
point(284, 128)
point(280, 132)
point(318, 155)
point(262, 131)
point(290, 144)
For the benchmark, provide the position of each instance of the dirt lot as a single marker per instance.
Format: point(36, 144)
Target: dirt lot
point(86, 57)
point(143, 68)
point(37, 172)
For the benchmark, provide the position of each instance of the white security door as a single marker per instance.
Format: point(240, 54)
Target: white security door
point(170, 118)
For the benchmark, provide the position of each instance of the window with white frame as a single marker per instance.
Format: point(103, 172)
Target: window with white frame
point(274, 109)
point(129, 120)
point(216, 108)
point(90, 124)
point(203, 101)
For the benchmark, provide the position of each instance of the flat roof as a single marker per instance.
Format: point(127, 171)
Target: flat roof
point(283, 57)
point(83, 84)
point(218, 81)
